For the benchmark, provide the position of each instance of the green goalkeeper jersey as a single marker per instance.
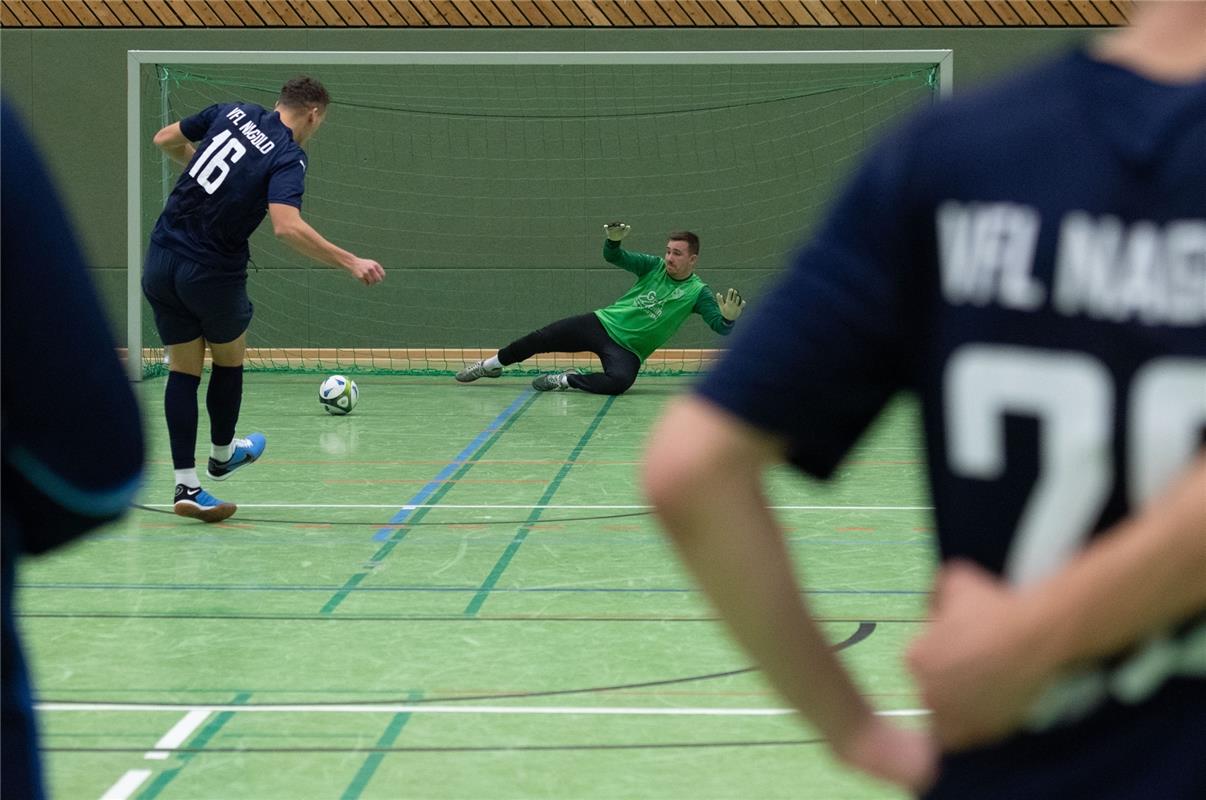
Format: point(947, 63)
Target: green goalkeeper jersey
point(657, 305)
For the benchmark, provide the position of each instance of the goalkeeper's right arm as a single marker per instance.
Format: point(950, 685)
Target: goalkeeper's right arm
point(636, 263)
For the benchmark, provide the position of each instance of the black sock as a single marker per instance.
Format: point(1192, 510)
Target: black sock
point(180, 408)
point(222, 400)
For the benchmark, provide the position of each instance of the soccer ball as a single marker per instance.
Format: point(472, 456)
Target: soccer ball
point(338, 395)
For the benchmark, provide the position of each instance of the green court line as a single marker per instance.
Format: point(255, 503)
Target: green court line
point(433, 500)
point(198, 743)
point(365, 773)
point(505, 559)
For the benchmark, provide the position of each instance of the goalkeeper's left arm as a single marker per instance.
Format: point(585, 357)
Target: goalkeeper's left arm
point(721, 311)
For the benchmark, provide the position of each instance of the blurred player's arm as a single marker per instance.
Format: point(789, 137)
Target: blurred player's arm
point(990, 648)
point(290, 228)
point(704, 475)
point(172, 141)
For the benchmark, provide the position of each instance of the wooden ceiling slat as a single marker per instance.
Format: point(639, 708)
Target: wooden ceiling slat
point(697, 14)
point(184, 12)
point(101, 11)
point(533, 13)
point(1088, 10)
point(614, 14)
point(1114, 13)
point(13, 15)
point(1045, 12)
point(775, 9)
point(740, 14)
point(1066, 12)
point(32, 15)
point(818, 11)
point(1025, 13)
point(656, 15)
point(326, 12)
point(431, 15)
point(44, 16)
point(513, 14)
point(164, 13)
point(635, 12)
point(1005, 12)
point(889, 13)
point(571, 12)
point(391, 15)
point(759, 14)
point(903, 12)
point(452, 16)
point(985, 13)
point(481, 15)
point(592, 13)
point(839, 12)
point(271, 13)
point(352, 14)
point(63, 14)
point(245, 13)
point(866, 14)
point(227, 13)
point(924, 13)
point(305, 12)
point(141, 13)
point(964, 14)
point(407, 10)
point(556, 17)
point(719, 12)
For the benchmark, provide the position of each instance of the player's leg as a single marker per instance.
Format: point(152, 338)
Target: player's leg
point(564, 335)
point(620, 366)
point(586, 333)
point(228, 315)
point(180, 331)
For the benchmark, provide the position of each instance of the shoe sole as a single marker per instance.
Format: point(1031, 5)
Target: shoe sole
point(205, 514)
point(472, 378)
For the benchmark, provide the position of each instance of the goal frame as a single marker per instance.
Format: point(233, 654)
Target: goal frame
point(136, 59)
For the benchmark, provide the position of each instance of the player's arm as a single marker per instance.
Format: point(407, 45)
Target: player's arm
point(990, 648)
point(721, 311)
point(704, 475)
point(289, 227)
point(172, 141)
point(636, 263)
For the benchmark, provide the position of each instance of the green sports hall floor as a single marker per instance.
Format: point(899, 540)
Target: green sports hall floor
point(526, 634)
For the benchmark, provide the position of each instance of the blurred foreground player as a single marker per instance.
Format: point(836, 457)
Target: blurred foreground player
point(71, 435)
point(1031, 260)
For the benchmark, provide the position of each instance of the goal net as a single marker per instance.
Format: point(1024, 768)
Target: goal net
point(482, 188)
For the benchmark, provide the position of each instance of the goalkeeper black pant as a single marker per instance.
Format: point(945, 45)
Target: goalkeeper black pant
point(583, 333)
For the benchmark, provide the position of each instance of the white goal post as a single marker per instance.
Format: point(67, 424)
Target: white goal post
point(137, 59)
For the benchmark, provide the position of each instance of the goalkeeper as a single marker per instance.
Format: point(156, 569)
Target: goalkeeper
point(625, 333)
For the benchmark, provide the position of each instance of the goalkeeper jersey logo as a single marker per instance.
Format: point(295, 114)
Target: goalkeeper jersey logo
point(651, 305)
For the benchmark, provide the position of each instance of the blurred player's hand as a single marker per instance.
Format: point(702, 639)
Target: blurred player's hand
point(906, 758)
point(731, 304)
point(975, 664)
point(367, 271)
point(616, 231)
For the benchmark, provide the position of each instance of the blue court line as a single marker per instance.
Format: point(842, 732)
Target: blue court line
point(443, 475)
point(465, 462)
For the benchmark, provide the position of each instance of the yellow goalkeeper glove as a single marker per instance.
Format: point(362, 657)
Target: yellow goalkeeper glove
point(616, 230)
point(731, 304)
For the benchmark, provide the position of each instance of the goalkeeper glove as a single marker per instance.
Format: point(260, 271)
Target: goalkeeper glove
point(616, 230)
point(731, 304)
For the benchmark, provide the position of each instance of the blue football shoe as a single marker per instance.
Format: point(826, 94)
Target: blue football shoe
point(246, 451)
point(199, 504)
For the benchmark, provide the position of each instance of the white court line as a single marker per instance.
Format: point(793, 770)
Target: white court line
point(126, 784)
point(179, 732)
point(393, 708)
point(526, 506)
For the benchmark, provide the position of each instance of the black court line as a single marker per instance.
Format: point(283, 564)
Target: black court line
point(378, 524)
point(864, 630)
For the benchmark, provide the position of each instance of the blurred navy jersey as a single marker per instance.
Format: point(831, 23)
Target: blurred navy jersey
point(70, 435)
point(246, 158)
point(1031, 261)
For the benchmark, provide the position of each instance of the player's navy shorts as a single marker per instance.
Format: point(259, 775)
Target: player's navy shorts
point(191, 300)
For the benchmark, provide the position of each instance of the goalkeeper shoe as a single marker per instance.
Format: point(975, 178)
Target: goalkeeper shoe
point(245, 451)
point(477, 370)
point(195, 502)
point(553, 381)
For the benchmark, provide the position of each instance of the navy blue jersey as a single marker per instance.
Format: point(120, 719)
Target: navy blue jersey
point(246, 158)
point(1031, 261)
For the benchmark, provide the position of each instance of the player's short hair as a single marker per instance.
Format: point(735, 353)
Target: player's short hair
point(304, 92)
point(686, 236)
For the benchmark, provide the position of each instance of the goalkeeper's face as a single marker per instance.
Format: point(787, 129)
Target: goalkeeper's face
point(680, 261)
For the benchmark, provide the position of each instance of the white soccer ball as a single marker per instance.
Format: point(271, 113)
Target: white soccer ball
point(338, 395)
